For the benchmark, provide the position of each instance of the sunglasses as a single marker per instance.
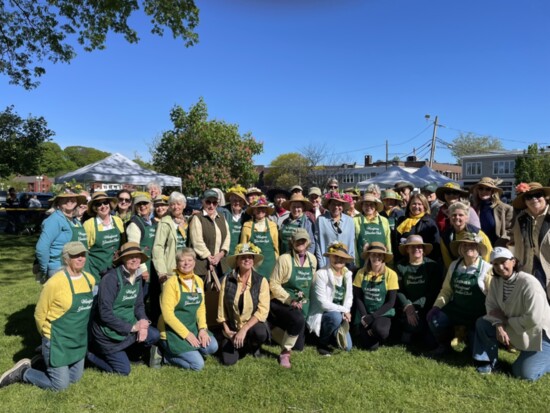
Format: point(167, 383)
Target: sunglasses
point(454, 193)
point(528, 197)
point(209, 202)
point(127, 200)
point(100, 203)
point(333, 186)
point(484, 189)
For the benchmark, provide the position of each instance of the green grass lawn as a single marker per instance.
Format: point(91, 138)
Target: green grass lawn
point(392, 379)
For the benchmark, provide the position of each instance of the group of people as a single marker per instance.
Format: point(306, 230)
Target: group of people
point(434, 267)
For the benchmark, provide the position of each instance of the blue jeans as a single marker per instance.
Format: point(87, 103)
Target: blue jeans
point(441, 327)
point(54, 378)
point(118, 362)
point(330, 322)
point(530, 365)
point(191, 359)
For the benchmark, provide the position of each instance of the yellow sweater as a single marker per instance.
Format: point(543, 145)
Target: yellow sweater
point(56, 299)
point(90, 228)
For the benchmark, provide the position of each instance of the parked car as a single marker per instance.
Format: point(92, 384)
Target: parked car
point(3, 197)
point(193, 204)
point(43, 197)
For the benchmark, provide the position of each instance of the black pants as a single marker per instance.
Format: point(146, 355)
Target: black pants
point(380, 330)
point(289, 319)
point(255, 337)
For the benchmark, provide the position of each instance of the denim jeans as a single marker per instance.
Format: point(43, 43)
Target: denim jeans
point(118, 362)
point(442, 328)
point(54, 378)
point(530, 365)
point(330, 322)
point(191, 359)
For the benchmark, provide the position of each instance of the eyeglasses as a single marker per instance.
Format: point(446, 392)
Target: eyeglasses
point(100, 203)
point(142, 204)
point(126, 200)
point(484, 189)
point(209, 202)
point(528, 197)
point(333, 187)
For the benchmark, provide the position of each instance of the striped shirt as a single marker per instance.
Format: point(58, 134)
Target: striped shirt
point(508, 286)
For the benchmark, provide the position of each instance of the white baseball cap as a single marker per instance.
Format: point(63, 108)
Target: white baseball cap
point(501, 252)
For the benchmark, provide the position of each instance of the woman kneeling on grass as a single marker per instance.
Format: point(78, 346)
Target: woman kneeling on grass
point(374, 291)
point(331, 300)
point(119, 323)
point(518, 315)
point(62, 314)
point(244, 305)
point(183, 331)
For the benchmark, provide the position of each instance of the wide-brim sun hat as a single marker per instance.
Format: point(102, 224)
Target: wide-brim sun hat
point(378, 248)
point(254, 191)
point(271, 193)
point(261, 202)
point(161, 200)
point(130, 249)
point(238, 191)
point(468, 238)
point(403, 184)
point(488, 183)
point(100, 196)
point(390, 194)
point(415, 239)
point(378, 205)
point(246, 248)
point(353, 192)
point(338, 249)
point(80, 199)
point(308, 206)
point(341, 198)
point(450, 187)
point(519, 200)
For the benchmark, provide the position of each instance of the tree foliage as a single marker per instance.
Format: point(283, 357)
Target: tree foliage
point(83, 155)
point(54, 160)
point(533, 166)
point(32, 31)
point(288, 169)
point(205, 153)
point(20, 142)
point(470, 144)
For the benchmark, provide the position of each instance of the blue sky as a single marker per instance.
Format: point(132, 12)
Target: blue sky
point(346, 74)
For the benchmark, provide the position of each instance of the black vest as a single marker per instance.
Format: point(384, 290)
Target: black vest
point(231, 291)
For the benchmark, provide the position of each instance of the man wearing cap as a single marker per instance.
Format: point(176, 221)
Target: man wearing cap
point(404, 189)
point(429, 192)
point(235, 215)
point(314, 196)
point(290, 285)
point(296, 189)
point(119, 321)
point(209, 236)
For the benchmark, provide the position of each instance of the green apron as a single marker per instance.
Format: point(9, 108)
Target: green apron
point(235, 233)
point(69, 333)
point(79, 234)
point(468, 302)
point(264, 241)
point(147, 240)
point(369, 233)
point(414, 281)
point(100, 255)
point(123, 306)
point(286, 233)
point(374, 295)
point(300, 282)
point(180, 238)
point(339, 293)
point(186, 313)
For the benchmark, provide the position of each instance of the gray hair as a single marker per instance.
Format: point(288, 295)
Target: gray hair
point(154, 184)
point(177, 197)
point(464, 206)
point(373, 188)
point(190, 252)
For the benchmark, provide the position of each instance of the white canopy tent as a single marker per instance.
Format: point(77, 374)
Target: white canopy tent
point(391, 176)
point(430, 175)
point(118, 169)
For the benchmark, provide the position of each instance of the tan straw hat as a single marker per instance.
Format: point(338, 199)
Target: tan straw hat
point(100, 196)
point(261, 202)
point(532, 187)
point(378, 205)
point(340, 250)
point(489, 183)
point(308, 206)
point(246, 248)
point(379, 248)
point(130, 249)
point(468, 238)
point(415, 239)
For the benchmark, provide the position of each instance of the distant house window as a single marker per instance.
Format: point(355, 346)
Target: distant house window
point(347, 179)
point(503, 167)
point(473, 168)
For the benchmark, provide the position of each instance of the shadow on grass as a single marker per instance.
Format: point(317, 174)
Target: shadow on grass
point(16, 258)
point(21, 323)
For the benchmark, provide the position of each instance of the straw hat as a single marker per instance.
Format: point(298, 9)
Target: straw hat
point(489, 183)
point(246, 248)
point(130, 249)
point(390, 194)
point(450, 187)
point(237, 191)
point(100, 196)
point(261, 202)
point(160, 200)
point(254, 191)
point(415, 239)
point(80, 199)
point(354, 192)
point(519, 200)
point(308, 206)
point(344, 199)
point(338, 249)
point(403, 184)
point(370, 198)
point(468, 238)
point(379, 248)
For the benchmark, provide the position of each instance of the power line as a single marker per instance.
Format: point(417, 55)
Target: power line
point(484, 134)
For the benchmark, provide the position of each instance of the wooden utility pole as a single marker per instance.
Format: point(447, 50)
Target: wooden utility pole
point(432, 152)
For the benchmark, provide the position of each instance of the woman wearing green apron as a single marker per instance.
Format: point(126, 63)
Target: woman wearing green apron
point(235, 217)
point(119, 323)
point(331, 301)
point(185, 339)
point(290, 286)
point(104, 233)
point(263, 233)
point(297, 205)
point(374, 291)
point(370, 226)
point(62, 314)
point(58, 229)
point(461, 300)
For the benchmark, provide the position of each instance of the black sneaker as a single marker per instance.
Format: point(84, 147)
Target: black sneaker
point(324, 351)
point(15, 374)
